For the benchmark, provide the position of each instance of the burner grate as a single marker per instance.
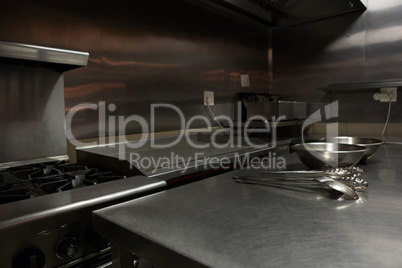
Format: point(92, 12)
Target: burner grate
point(29, 181)
point(101, 177)
point(55, 186)
point(16, 193)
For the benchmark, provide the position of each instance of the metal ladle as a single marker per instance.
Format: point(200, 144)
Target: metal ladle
point(349, 176)
point(333, 184)
point(346, 171)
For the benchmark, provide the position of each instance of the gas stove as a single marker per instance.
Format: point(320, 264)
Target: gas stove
point(45, 212)
point(45, 208)
point(28, 181)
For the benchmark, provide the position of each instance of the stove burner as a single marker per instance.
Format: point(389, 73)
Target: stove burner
point(29, 181)
point(52, 184)
point(23, 172)
point(15, 194)
point(66, 167)
point(102, 177)
point(6, 181)
point(47, 171)
point(5, 186)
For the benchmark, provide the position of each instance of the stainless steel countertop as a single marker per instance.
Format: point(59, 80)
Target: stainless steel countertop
point(219, 223)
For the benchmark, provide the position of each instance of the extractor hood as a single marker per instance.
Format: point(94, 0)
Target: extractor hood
point(242, 10)
point(55, 58)
point(280, 13)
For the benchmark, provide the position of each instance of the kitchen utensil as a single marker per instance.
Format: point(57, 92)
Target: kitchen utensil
point(350, 171)
point(349, 176)
point(356, 183)
point(324, 155)
point(333, 184)
point(371, 144)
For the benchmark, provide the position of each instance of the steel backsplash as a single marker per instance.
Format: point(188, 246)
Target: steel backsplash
point(355, 48)
point(142, 52)
point(31, 113)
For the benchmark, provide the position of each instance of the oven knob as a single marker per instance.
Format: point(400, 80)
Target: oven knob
point(30, 258)
point(67, 248)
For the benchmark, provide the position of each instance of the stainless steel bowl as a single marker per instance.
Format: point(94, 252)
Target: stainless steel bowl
point(321, 155)
point(371, 144)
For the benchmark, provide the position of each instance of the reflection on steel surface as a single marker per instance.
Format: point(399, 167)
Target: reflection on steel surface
point(168, 57)
point(356, 48)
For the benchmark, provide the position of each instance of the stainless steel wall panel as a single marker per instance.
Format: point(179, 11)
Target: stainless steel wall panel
point(347, 49)
point(247, 54)
point(146, 61)
point(173, 59)
point(337, 50)
point(32, 123)
point(61, 24)
point(384, 40)
point(308, 56)
point(141, 53)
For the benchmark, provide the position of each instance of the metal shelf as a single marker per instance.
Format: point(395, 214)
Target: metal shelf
point(260, 124)
point(59, 59)
point(363, 86)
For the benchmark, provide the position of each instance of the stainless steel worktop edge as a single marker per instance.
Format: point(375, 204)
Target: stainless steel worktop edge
point(222, 224)
point(67, 207)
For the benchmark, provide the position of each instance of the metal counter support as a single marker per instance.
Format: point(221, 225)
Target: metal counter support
point(218, 223)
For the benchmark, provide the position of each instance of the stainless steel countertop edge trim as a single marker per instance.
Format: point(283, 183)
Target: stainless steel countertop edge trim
point(76, 206)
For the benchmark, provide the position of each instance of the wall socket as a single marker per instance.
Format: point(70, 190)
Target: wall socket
point(209, 98)
point(391, 93)
point(244, 80)
point(387, 94)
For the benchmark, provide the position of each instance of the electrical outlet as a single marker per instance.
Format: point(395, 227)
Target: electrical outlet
point(209, 98)
point(244, 80)
point(389, 94)
point(386, 95)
